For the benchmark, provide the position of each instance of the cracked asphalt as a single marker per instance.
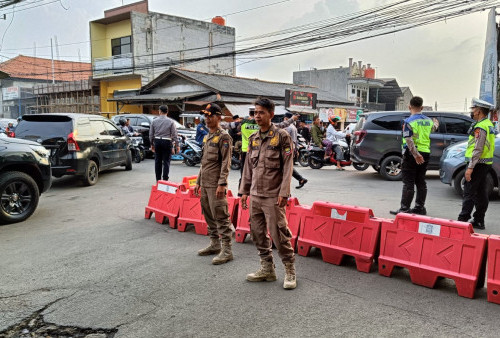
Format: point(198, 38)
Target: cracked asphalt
point(90, 252)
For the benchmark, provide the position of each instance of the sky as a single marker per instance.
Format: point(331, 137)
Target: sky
point(440, 62)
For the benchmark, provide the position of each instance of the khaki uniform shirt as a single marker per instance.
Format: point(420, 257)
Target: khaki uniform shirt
point(269, 164)
point(215, 159)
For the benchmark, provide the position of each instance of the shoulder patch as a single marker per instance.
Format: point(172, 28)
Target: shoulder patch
point(288, 150)
point(225, 143)
point(477, 132)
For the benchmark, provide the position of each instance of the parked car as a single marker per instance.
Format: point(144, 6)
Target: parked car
point(79, 144)
point(377, 139)
point(25, 174)
point(141, 121)
point(453, 167)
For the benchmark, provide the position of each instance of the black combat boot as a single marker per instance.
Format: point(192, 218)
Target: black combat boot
point(406, 198)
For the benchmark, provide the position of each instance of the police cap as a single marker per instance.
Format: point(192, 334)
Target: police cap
point(211, 109)
point(481, 104)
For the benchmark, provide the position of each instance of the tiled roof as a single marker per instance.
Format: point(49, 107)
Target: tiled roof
point(28, 67)
point(245, 86)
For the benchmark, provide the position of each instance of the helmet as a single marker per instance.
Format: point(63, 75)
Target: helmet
point(334, 119)
point(19, 119)
point(122, 122)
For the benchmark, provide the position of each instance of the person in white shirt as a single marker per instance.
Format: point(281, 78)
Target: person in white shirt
point(334, 136)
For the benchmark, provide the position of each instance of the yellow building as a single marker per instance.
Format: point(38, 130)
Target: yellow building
point(112, 57)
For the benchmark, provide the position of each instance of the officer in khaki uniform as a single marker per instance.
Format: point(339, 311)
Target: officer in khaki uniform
point(212, 184)
point(266, 177)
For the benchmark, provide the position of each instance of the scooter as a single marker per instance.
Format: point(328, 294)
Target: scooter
point(303, 151)
point(137, 148)
point(191, 152)
point(317, 157)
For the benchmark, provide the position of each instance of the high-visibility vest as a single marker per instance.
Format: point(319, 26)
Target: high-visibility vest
point(421, 126)
point(489, 145)
point(248, 127)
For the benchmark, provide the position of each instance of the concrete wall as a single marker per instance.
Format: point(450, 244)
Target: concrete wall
point(165, 40)
point(332, 80)
point(178, 85)
point(102, 35)
point(107, 89)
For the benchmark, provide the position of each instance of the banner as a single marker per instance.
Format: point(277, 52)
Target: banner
point(489, 77)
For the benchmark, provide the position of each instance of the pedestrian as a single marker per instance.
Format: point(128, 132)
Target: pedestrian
point(212, 185)
point(416, 152)
point(304, 131)
point(201, 131)
point(317, 134)
point(479, 158)
point(332, 141)
point(292, 131)
point(129, 127)
point(234, 131)
point(266, 178)
point(162, 134)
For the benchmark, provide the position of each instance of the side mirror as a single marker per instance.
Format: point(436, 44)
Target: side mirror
point(145, 124)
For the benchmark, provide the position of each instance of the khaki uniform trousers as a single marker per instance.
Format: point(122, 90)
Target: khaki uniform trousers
point(216, 215)
point(264, 214)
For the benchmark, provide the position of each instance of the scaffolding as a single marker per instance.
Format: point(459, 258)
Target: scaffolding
point(68, 97)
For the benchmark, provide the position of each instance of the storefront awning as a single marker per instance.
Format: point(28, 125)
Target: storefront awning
point(302, 110)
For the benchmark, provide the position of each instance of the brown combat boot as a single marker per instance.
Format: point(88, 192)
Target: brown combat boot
point(290, 281)
point(266, 273)
point(212, 249)
point(224, 256)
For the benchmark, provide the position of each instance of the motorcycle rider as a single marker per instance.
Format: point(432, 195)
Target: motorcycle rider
point(317, 134)
point(201, 131)
point(126, 130)
point(332, 141)
point(292, 130)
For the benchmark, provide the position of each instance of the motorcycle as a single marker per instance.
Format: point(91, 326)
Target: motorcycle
point(191, 152)
point(302, 151)
point(137, 148)
point(317, 157)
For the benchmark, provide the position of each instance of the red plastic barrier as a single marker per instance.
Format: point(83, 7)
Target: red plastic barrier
point(340, 230)
point(243, 223)
point(430, 248)
point(191, 212)
point(189, 181)
point(164, 202)
point(494, 269)
point(295, 213)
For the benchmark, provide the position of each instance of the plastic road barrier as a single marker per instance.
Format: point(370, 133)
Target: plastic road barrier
point(430, 248)
point(164, 202)
point(494, 269)
point(189, 181)
point(295, 213)
point(190, 213)
point(243, 223)
point(339, 230)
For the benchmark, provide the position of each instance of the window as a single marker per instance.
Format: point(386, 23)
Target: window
point(142, 120)
point(391, 122)
point(111, 129)
point(456, 126)
point(83, 127)
point(98, 127)
point(121, 45)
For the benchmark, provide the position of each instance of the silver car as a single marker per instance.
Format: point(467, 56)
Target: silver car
point(452, 167)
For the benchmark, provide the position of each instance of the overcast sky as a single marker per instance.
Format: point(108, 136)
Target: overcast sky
point(440, 62)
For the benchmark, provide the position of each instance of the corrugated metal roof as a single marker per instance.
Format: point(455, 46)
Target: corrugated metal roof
point(243, 86)
point(158, 97)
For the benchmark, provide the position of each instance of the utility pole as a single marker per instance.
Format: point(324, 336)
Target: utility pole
point(34, 49)
point(57, 47)
point(435, 106)
point(52, 57)
point(465, 105)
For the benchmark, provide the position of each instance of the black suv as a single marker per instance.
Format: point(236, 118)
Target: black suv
point(79, 144)
point(377, 139)
point(24, 175)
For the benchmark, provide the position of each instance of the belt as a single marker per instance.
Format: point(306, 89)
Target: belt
point(163, 138)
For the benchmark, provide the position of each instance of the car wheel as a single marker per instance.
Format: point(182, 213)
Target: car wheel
point(390, 168)
point(459, 181)
point(360, 166)
point(19, 197)
point(315, 164)
point(128, 163)
point(304, 159)
point(92, 174)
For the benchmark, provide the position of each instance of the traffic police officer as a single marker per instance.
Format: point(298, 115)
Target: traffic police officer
point(212, 184)
point(479, 157)
point(416, 152)
point(266, 177)
point(161, 134)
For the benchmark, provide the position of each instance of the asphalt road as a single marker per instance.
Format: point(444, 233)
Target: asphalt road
point(88, 258)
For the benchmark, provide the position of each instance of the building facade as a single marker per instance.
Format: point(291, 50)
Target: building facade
point(131, 46)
